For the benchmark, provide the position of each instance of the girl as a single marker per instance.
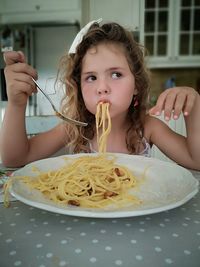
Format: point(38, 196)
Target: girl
point(105, 63)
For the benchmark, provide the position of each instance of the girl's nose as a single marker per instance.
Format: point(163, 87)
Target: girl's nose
point(103, 89)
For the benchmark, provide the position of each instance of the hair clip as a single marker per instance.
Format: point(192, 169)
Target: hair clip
point(80, 34)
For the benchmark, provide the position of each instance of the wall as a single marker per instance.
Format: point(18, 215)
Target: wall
point(46, 60)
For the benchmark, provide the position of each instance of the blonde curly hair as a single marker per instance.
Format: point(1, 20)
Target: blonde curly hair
point(72, 104)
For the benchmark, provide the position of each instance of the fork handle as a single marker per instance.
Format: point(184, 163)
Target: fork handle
point(38, 86)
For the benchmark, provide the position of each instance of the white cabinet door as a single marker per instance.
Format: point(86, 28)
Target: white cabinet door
point(10, 6)
point(172, 33)
point(21, 11)
point(126, 12)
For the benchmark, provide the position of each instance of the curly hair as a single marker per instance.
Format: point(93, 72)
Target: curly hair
point(73, 104)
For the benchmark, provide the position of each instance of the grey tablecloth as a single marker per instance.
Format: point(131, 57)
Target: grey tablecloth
point(31, 237)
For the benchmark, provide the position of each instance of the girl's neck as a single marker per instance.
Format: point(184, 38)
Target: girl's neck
point(118, 124)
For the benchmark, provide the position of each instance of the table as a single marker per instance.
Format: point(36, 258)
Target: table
point(30, 237)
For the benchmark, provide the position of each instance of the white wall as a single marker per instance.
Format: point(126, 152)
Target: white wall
point(50, 43)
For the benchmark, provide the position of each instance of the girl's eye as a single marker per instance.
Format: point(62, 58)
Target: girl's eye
point(91, 78)
point(116, 75)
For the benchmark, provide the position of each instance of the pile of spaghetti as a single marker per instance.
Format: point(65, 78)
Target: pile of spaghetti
point(91, 181)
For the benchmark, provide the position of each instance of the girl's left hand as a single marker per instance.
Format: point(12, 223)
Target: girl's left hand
point(173, 101)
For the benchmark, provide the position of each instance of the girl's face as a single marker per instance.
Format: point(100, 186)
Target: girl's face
point(106, 77)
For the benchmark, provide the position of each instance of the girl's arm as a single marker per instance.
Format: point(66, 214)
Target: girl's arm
point(15, 148)
point(185, 151)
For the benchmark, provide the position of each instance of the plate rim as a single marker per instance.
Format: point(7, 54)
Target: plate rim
point(90, 213)
point(103, 214)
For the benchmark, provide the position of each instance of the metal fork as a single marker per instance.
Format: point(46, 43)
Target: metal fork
point(60, 115)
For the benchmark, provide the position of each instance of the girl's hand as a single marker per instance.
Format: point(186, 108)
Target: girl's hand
point(173, 101)
point(18, 76)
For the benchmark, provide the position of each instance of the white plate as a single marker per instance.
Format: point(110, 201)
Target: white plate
point(166, 186)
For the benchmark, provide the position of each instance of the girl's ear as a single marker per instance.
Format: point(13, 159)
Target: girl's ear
point(135, 100)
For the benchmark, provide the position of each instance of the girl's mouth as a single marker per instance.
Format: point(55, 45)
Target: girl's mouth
point(102, 101)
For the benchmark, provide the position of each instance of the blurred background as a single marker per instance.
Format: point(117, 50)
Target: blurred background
point(45, 29)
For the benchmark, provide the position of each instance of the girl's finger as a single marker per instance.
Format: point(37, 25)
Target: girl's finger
point(158, 108)
point(179, 104)
point(27, 88)
point(21, 68)
point(169, 105)
point(19, 79)
point(25, 68)
point(189, 103)
point(12, 57)
point(23, 77)
point(22, 56)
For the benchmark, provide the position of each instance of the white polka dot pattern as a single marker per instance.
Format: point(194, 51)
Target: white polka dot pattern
point(38, 238)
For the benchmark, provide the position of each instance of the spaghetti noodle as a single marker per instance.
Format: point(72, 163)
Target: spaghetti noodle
point(103, 122)
point(90, 181)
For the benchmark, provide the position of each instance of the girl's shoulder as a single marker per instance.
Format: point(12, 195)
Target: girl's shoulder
point(152, 121)
point(154, 128)
point(152, 124)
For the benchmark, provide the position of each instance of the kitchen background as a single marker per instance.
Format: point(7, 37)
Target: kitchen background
point(44, 30)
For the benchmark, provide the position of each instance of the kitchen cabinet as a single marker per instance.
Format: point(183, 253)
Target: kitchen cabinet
point(126, 12)
point(172, 33)
point(21, 11)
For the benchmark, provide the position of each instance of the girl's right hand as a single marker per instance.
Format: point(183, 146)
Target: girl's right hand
point(18, 75)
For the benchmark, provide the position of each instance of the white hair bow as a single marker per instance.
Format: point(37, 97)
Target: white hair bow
point(80, 35)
